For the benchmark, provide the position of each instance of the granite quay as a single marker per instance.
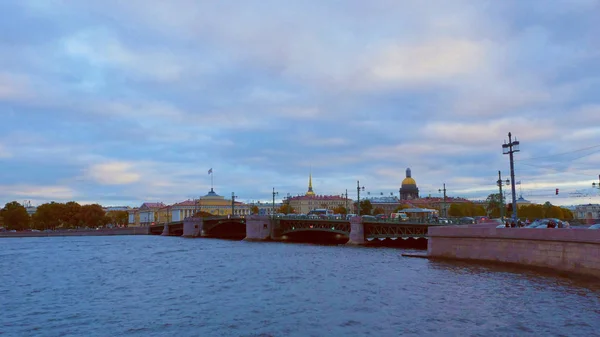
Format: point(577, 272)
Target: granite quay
point(568, 251)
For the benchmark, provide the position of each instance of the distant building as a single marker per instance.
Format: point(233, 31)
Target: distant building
point(147, 213)
point(302, 204)
point(409, 189)
point(387, 203)
point(116, 208)
point(522, 202)
point(589, 212)
point(31, 210)
point(151, 213)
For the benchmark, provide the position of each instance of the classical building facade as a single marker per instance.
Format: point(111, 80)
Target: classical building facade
point(302, 204)
point(387, 204)
point(151, 213)
point(409, 190)
point(587, 212)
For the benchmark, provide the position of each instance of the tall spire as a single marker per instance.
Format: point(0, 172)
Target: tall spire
point(310, 190)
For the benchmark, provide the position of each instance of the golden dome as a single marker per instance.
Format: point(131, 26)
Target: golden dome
point(408, 181)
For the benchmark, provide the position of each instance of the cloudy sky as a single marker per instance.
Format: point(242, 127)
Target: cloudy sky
point(120, 102)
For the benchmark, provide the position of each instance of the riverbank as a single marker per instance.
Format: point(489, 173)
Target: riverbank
point(569, 250)
point(100, 232)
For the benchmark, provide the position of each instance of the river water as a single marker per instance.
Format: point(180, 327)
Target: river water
point(169, 286)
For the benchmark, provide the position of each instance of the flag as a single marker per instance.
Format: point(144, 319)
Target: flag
point(210, 171)
point(518, 182)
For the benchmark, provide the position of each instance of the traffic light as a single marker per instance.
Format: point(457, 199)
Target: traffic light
point(557, 191)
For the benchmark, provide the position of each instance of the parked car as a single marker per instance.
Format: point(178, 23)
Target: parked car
point(595, 226)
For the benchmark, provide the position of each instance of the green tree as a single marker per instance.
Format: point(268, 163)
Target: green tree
point(118, 218)
point(286, 209)
point(340, 210)
point(365, 207)
point(15, 216)
point(494, 204)
point(92, 216)
point(456, 210)
point(378, 210)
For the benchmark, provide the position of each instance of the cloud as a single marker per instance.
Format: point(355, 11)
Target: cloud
point(123, 102)
point(431, 61)
point(19, 192)
point(113, 173)
point(13, 87)
point(4, 153)
point(101, 49)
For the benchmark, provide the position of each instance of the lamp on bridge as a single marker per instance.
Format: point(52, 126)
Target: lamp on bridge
point(358, 188)
point(445, 212)
point(500, 183)
point(510, 148)
point(273, 210)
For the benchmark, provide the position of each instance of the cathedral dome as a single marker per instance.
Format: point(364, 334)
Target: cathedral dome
point(408, 181)
point(409, 189)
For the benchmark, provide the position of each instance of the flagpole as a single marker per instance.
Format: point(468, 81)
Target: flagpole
point(211, 179)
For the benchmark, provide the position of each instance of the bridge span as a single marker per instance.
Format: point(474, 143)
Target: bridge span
point(264, 228)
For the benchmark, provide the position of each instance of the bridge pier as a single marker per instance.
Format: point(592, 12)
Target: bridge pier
point(258, 228)
point(192, 227)
point(357, 232)
point(165, 231)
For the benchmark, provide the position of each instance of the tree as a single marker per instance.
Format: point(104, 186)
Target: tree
point(286, 209)
point(401, 207)
point(15, 216)
point(455, 210)
point(49, 216)
point(92, 216)
point(340, 210)
point(378, 210)
point(254, 209)
point(72, 215)
point(567, 214)
point(365, 207)
point(118, 218)
point(494, 204)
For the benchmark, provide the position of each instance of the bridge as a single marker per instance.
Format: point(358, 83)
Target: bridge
point(336, 231)
point(214, 227)
point(356, 231)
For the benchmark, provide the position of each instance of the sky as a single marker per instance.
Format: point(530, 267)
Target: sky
point(125, 102)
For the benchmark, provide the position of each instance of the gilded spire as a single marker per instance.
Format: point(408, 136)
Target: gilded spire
point(310, 190)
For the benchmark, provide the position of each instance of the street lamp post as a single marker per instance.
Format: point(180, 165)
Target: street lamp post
point(510, 148)
point(346, 199)
point(233, 196)
point(594, 185)
point(358, 188)
point(273, 210)
point(444, 205)
point(499, 182)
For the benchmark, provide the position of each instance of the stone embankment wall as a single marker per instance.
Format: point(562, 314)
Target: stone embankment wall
point(101, 232)
point(566, 250)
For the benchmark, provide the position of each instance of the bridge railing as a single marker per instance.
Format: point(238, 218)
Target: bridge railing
point(371, 219)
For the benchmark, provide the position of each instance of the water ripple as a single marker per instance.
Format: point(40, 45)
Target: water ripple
point(157, 286)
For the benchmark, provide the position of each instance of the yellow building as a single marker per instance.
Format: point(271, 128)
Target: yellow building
point(155, 213)
point(303, 204)
point(146, 215)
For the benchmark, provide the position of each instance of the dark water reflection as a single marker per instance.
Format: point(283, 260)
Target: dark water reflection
point(166, 286)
